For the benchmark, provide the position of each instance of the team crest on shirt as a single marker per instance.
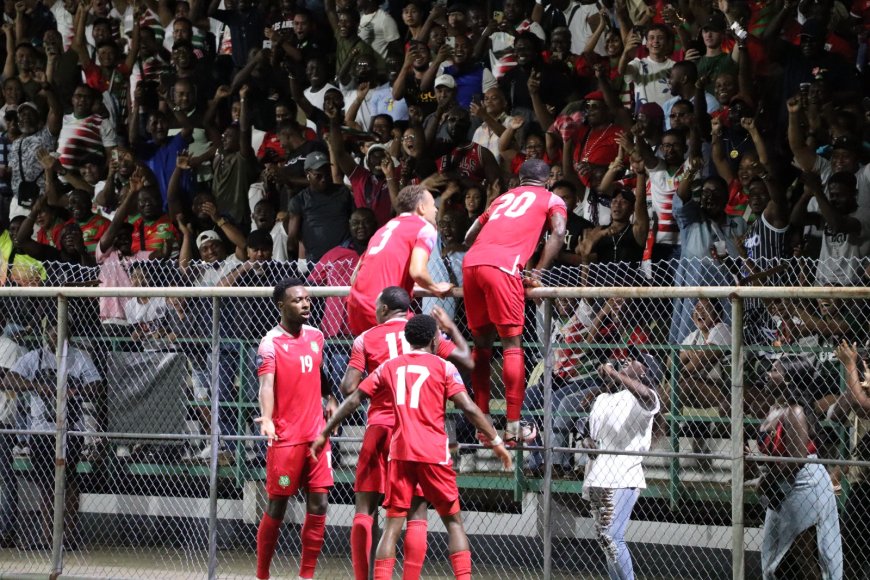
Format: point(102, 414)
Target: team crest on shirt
point(286, 347)
point(284, 481)
point(314, 347)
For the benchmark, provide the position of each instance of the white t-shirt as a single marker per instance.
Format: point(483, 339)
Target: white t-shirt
point(661, 187)
point(719, 335)
point(844, 256)
point(316, 97)
point(823, 168)
point(486, 137)
point(651, 80)
point(79, 365)
point(618, 422)
point(279, 242)
point(578, 24)
point(378, 30)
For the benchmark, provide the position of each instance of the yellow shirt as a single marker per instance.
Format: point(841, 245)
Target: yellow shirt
point(26, 271)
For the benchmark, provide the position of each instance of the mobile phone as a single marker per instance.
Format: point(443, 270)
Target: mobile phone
point(477, 98)
point(738, 30)
point(450, 41)
point(498, 16)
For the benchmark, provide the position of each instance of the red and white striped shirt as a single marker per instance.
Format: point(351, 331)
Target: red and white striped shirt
point(82, 137)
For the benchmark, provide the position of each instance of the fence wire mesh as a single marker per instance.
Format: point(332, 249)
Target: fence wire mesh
point(153, 491)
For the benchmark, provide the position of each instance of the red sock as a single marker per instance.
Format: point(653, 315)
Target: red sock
point(461, 562)
point(267, 538)
point(480, 377)
point(514, 375)
point(415, 549)
point(361, 545)
point(312, 541)
point(384, 569)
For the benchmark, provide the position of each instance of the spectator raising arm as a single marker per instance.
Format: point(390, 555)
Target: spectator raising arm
point(118, 220)
point(245, 146)
point(804, 156)
point(339, 157)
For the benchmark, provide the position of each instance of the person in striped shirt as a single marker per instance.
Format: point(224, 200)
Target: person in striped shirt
point(84, 132)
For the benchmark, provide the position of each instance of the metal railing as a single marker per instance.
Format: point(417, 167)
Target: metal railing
point(241, 475)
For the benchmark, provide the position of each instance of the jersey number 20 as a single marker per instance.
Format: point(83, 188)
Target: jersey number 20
point(422, 373)
point(513, 205)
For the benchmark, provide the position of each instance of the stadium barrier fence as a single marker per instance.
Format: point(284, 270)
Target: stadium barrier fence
point(168, 464)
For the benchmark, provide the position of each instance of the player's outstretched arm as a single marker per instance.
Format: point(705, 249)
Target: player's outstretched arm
point(461, 355)
point(349, 405)
point(473, 232)
point(475, 416)
point(419, 271)
point(350, 381)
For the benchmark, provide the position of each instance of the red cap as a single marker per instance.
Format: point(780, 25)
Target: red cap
point(595, 96)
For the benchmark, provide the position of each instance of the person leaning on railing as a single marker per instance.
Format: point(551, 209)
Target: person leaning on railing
point(801, 509)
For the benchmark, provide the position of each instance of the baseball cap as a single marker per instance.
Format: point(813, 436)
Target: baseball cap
point(30, 104)
point(654, 372)
point(445, 81)
point(716, 22)
point(456, 7)
point(846, 142)
point(205, 237)
point(316, 160)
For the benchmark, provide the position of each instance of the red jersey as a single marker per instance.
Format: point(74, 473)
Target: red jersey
point(466, 160)
point(148, 237)
point(93, 230)
point(388, 257)
point(418, 385)
point(51, 237)
point(376, 346)
point(512, 226)
point(295, 361)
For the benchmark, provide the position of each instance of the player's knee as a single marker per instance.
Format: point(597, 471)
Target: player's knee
point(397, 512)
point(317, 502)
point(418, 510)
point(510, 335)
point(276, 507)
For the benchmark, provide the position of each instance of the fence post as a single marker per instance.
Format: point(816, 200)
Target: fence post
point(737, 458)
point(215, 436)
point(60, 438)
point(548, 437)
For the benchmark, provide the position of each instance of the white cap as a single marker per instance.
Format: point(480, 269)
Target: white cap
point(205, 237)
point(445, 81)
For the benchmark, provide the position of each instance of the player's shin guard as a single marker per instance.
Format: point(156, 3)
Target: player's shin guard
point(514, 375)
point(312, 541)
point(361, 545)
point(461, 562)
point(384, 569)
point(480, 377)
point(267, 538)
point(415, 549)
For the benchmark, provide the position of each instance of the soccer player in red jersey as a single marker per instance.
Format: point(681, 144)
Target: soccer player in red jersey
point(372, 348)
point(397, 255)
point(419, 384)
point(500, 242)
point(292, 388)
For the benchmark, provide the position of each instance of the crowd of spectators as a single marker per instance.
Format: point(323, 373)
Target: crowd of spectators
point(233, 143)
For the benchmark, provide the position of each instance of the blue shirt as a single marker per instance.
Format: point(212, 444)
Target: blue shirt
point(161, 160)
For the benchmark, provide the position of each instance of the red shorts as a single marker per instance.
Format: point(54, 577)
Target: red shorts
point(371, 467)
point(360, 317)
point(291, 468)
point(492, 298)
point(409, 478)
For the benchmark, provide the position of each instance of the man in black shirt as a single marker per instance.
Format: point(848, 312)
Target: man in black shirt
point(319, 214)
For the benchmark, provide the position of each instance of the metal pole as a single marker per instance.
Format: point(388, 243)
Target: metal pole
point(60, 438)
point(548, 437)
point(215, 440)
point(737, 459)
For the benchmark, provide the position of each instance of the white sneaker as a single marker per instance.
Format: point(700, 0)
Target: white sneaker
point(224, 457)
point(122, 452)
point(21, 451)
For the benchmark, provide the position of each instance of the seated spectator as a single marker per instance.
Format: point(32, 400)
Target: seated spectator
point(28, 177)
point(703, 382)
point(492, 111)
point(10, 352)
point(463, 157)
point(145, 315)
point(36, 372)
point(153, 230)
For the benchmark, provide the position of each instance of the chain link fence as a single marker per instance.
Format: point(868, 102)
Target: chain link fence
point(148, 393)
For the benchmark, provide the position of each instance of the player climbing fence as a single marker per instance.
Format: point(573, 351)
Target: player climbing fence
point(153, 426)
